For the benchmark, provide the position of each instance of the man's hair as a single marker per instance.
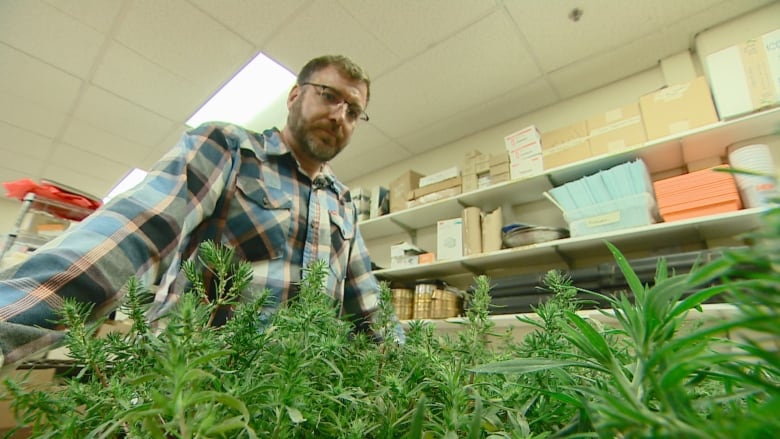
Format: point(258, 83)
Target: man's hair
point(344, 65)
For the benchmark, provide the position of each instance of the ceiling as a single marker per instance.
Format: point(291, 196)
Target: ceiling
point(90, 89)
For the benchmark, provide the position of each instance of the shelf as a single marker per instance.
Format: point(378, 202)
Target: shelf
point(659, 154)
point(711, 312)
point(654, 236)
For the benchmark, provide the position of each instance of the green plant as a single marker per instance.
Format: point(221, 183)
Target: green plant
point(303, 372)
point(649, 378)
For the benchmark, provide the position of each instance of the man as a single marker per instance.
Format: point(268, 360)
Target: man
point(271, 196)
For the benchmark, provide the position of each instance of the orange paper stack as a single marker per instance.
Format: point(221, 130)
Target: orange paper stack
point(699, 193)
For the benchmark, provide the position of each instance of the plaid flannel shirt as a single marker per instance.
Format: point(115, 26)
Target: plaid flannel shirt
point(277, 219)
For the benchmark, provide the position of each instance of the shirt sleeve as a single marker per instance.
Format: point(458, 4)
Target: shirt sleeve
point(361, 291)
point(139, 233)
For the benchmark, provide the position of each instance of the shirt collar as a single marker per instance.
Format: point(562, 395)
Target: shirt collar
point(274, 146)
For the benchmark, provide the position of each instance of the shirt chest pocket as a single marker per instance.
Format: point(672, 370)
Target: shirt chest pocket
point(260, 219)
point(342, 235)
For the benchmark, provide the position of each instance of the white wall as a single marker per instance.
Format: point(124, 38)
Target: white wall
point(676, 69)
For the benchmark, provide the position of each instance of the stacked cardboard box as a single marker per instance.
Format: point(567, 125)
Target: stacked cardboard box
point(531, 153)
point(746, 77)
point(401, 187)
point(565, 145)
point(483, 170)
point(524, 149)
point(438, 186)
point(616, 130)
point(677, 108)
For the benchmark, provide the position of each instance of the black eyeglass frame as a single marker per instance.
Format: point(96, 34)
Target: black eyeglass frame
point(322, 88)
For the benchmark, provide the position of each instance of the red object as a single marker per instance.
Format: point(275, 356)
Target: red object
point(20, 188)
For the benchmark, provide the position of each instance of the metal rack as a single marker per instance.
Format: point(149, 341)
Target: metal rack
point(34, 203)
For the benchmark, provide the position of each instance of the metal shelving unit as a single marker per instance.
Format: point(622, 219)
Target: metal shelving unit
point(658, 154)
point(33, 203)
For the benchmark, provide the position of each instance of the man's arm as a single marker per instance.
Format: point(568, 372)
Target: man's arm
point(361, 290)
point(139, 233)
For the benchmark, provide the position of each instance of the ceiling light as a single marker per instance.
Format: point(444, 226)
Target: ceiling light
point(254, 98)
point(128, 182)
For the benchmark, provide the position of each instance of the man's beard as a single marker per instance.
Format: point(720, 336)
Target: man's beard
point(308, 141)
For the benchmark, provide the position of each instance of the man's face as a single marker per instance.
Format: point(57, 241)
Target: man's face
point(321, 126)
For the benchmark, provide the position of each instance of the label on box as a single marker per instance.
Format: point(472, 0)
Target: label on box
point(449, 239)
point(600, 220)
point(524, 136)
point(526, 167)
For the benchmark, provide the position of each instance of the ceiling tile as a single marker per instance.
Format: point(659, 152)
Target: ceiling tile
point(11, 175)
point(49, 34)
point(120, 117)
point(408, 27)
point(255, 21)
point(38, 82)
point(135, 78)
point(324, 28)
point(88, 162)
point(20, 141)
point(104, 144)
point(99, 14)
point(605, 24)
point(609, 66)
point(509, 106)
point(28, 115)
point(194, 45)
point(76, 178)
point(453, 75)
point(173, 136)
point(26, 164)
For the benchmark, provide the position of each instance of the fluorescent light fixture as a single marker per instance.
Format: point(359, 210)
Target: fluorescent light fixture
point(255, 98)
point(128, 182)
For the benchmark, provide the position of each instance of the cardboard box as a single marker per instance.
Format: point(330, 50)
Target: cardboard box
point(404, 254)
point(469, 182)
point(524, 136)
point(449, 239)
point(435, 196)
point(436, 187)
point(501, 168)
point(472, 231)
point(746, 77)
point(38, 379)
point(525, 151)
point(400, 189)
point(616, 130)
point(526, 167)
point(677, 108)
point(565, 145)
point(442, 175)
point(499, 159)
point(492, 222)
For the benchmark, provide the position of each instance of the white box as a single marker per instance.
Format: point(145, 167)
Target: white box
point(404, 254)
point(526, 135)
point(746, 77)
point(525, 151)
point(527, 167)
point(449, 239)
point(440, 176)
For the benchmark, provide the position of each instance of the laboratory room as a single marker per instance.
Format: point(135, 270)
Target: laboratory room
point(376, 219)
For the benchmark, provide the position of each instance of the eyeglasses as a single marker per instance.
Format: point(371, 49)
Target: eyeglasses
point(332, 97)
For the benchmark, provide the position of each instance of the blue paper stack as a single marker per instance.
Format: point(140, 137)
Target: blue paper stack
point(616, 198)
